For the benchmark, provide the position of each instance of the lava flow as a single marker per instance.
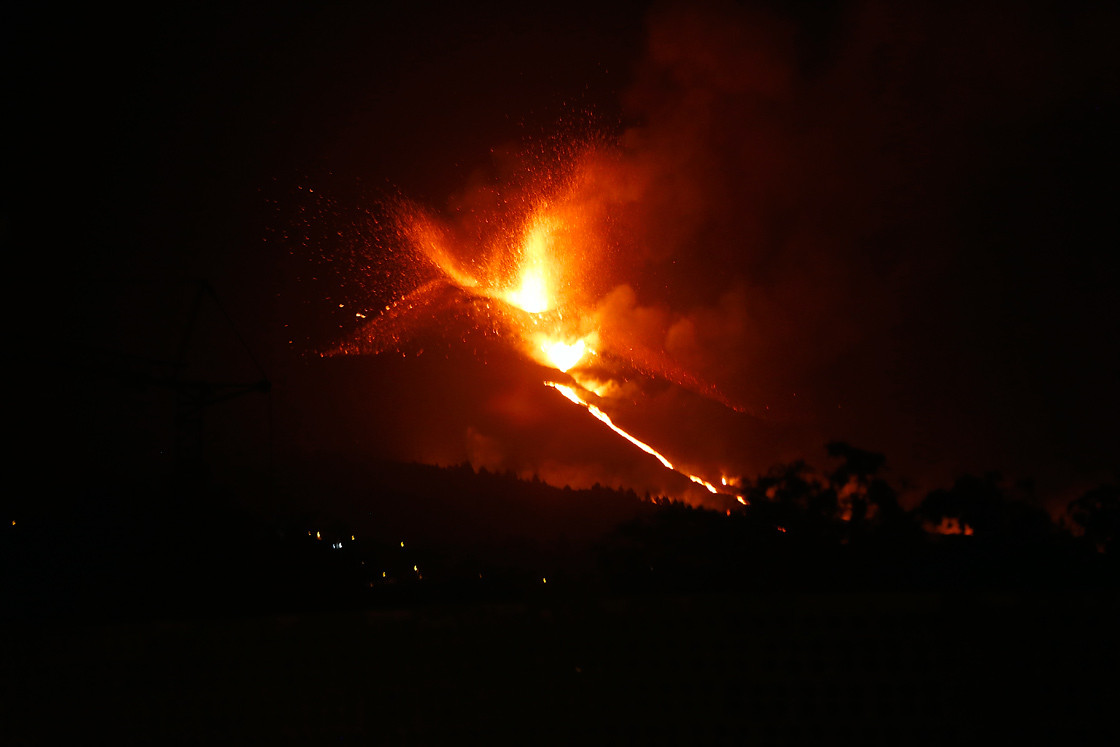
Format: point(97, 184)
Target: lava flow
point(532, 282)
point(571, 395)
point(532, 295)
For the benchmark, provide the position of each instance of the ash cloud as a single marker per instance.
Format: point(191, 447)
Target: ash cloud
point(873, 223)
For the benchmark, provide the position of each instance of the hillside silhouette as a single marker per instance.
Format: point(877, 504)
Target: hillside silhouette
point(337, 534)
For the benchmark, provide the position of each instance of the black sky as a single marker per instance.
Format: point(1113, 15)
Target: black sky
point(900, 220)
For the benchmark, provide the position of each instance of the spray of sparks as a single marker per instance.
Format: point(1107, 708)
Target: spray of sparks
point(532, 282)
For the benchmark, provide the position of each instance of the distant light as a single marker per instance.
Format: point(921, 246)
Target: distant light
point(544, 580)
point(318, 536)
point(382, 574)
point(402, 543)
point(351, 538)
point(415, 569)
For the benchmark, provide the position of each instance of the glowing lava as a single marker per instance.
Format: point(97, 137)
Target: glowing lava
point(537, 268)
point(571, 395)
point(562, 356)
point(528, 274)
point(530, 295)
point(700, 481)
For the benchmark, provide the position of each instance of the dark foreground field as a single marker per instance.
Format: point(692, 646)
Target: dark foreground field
point(658, 669)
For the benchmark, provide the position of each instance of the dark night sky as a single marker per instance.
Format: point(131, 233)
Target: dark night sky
point(902, 217)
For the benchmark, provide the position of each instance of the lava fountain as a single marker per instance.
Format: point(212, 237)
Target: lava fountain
point(532, 282)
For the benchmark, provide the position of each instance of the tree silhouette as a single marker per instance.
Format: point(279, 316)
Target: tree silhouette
point(788, 495)
point(980, 505)
point(861, 496)
point(1097, 512)
point(857, 463)
point(971, 503)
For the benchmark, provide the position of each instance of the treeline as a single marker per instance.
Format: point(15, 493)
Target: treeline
point(853, 501)
point(845, 529)
point(479, 535)
point(391, 534)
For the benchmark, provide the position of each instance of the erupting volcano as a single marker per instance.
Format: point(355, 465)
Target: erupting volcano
point(530, 272)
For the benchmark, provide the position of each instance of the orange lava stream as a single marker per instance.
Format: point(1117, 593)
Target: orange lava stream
point(699, 481)
point(571, 395)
